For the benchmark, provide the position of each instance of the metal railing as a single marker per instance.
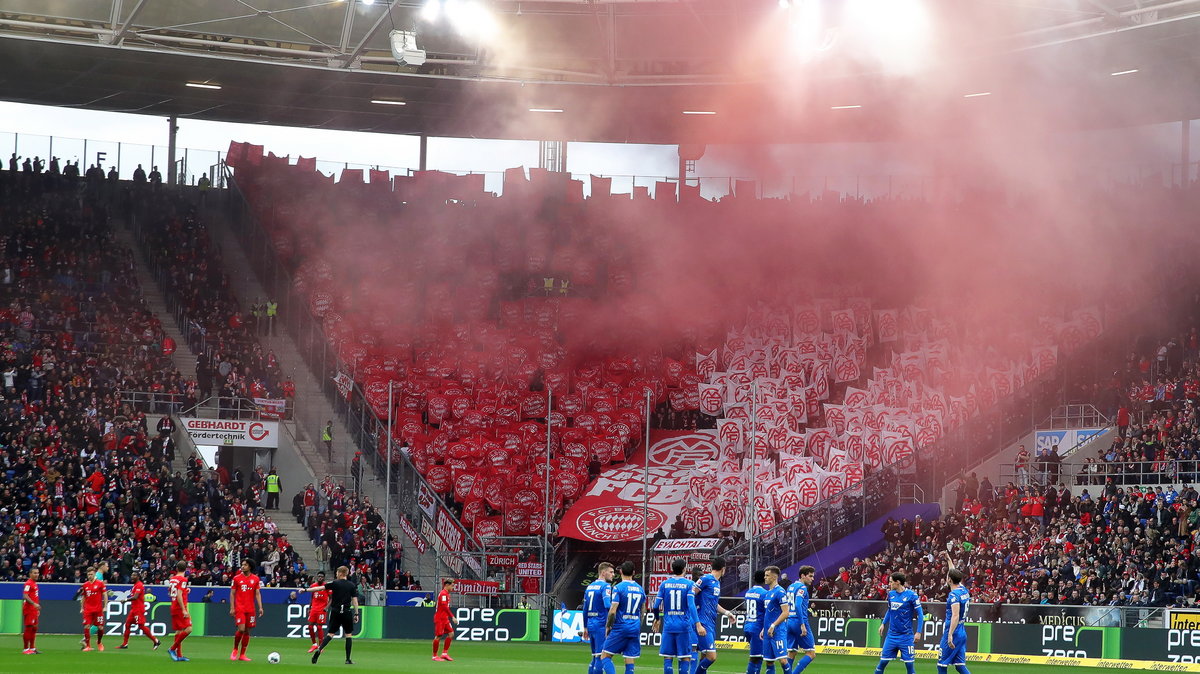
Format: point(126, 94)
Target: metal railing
point(157, 402)
point(1122, 473)
point(1076, 415)
point(125, 157)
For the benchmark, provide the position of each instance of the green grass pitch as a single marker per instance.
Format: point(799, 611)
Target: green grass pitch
point(61, 654)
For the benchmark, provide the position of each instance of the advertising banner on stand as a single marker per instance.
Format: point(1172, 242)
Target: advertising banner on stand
point(1066, 439)
point(232, 432)
point(290, 621)
point(612, 510)
point(63, 617)
point(474, 624)
point(567, 627)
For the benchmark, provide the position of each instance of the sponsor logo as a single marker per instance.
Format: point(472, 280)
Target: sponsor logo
point(258, 431)
point(485, 624)
point(567, 626)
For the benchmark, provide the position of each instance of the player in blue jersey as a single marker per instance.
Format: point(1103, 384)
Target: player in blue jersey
point(625, 637)
point(597, 600)
point(800, 634)
point(903, 606)
point(697, 574)
point(776, 606)
point(753, 626)
point(675, 615)
point(708, 596)
point(953, 649)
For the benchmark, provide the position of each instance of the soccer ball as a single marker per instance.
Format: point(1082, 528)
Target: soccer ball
point(273, 658)
point(150, 598)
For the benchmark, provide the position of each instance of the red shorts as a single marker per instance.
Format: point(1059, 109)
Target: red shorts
point(179, 622)
point(136, 618)
point(442, 626)
point(93, 618)
point(317, 618)
point(30, 618)
point(247, 618)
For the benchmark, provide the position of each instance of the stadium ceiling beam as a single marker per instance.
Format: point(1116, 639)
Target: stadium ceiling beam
point(1143, 16)
point(362, 44)
point(347, 25)
point(1104, 7)
point(118, 36)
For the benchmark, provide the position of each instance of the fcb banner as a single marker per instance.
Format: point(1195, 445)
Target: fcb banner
point(271, 408)
point(611, 509)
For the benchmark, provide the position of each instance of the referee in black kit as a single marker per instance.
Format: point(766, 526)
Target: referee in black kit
point(343, 612)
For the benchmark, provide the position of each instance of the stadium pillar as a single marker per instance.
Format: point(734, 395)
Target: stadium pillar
point(1185, 153)
point(751, 521)
point(682, 176)
point(172, 132)
point(423, 153)
point(546, 561)
point(387, 493)
point(646, 492)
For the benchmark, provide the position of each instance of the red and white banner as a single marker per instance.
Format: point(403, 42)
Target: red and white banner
point(502, 559)
point(344, 384)
point(477, 587)
point(611, 510)
point(270, 408)
point(711, 399)
point(417, 541)
point(530, 570)
point(451, 535)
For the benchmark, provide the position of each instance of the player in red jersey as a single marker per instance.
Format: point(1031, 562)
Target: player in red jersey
point(137, 612)
point(31, 610)
point(317, 611)
point(443, 622)
point(246, 592)
point(181, 620)
point(94, 592)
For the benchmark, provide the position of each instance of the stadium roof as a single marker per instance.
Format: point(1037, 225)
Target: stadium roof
point(622, 71)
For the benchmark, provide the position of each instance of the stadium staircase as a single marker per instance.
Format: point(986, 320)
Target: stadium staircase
point(296, 535)
point(156, 302)
point(182, 359)
point(312, 407)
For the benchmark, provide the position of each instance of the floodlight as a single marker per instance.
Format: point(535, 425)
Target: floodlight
point(431, 10)
point(404, 48)
point(471, 18)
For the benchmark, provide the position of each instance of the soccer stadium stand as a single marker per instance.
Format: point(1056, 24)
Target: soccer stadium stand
point(85, 481)
point(1111, 547)
point(490, 329)
point(233, 364)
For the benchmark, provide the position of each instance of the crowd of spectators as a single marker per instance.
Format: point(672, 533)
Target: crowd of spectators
point(85, 480)
point(348, 530)
point(1117, 547)
point(1158, 432)
point(231, 361)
